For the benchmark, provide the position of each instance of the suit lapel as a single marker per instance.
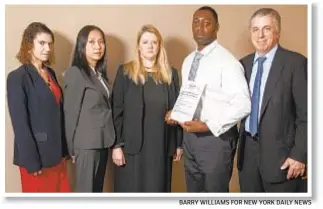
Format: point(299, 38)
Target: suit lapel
point(273, 77)
point(40, 85)
point(104, 91)
point(248, 67)
point(93, 83)
point(33, 73)
point(99, 87)
point(106, 94)
point(88, 81)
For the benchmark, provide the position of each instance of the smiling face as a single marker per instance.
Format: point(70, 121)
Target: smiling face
point(264, 33)
point(148, 46)
point(94, 48)
point(42, 48)
point(204, 28)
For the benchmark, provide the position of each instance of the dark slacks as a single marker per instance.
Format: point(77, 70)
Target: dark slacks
point(250, 178)
point(90, 169)
point(208, 162)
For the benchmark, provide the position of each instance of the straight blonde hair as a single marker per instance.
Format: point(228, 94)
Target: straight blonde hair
point(135, 69)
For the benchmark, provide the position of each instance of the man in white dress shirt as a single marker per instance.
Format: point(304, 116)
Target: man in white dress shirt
point(210, 139)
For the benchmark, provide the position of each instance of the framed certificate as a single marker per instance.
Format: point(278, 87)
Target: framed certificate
point(187, 102)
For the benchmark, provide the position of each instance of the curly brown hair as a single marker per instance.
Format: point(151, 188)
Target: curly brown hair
point(27, 42)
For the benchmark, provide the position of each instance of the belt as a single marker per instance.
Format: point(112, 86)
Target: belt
point(256, 137)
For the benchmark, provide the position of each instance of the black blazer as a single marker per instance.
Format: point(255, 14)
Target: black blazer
point(128, 107)
point(283, 115)
point(36, 119)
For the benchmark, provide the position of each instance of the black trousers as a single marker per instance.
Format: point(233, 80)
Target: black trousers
point(250, 178)
point(208, 162)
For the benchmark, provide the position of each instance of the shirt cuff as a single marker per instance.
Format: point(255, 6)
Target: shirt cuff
point(215, 128)
point(118, 145)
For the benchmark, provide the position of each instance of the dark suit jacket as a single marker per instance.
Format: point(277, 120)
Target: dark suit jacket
point(88, 115)
point(128, 107)
point(36, 119)
point(283, 116)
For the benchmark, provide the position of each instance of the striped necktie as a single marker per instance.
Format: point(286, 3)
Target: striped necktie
point(195, 66)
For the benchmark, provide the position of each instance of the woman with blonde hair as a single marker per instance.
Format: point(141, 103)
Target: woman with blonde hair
point(145, 89)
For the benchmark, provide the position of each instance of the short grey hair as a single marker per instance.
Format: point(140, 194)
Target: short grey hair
point(268, 12)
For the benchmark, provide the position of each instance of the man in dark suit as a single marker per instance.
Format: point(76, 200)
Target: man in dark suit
point(272, 154)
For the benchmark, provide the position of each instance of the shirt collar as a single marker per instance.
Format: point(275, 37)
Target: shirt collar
point(206, 50)
point(269, 56)
point(95, 72)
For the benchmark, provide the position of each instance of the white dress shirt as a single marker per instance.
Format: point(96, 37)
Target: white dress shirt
point(266, 69)
point(226, 98)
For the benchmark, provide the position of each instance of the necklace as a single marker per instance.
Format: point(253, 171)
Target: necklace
point(150, 72)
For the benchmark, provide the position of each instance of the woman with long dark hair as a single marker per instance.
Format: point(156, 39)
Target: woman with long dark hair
point(88, 116)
